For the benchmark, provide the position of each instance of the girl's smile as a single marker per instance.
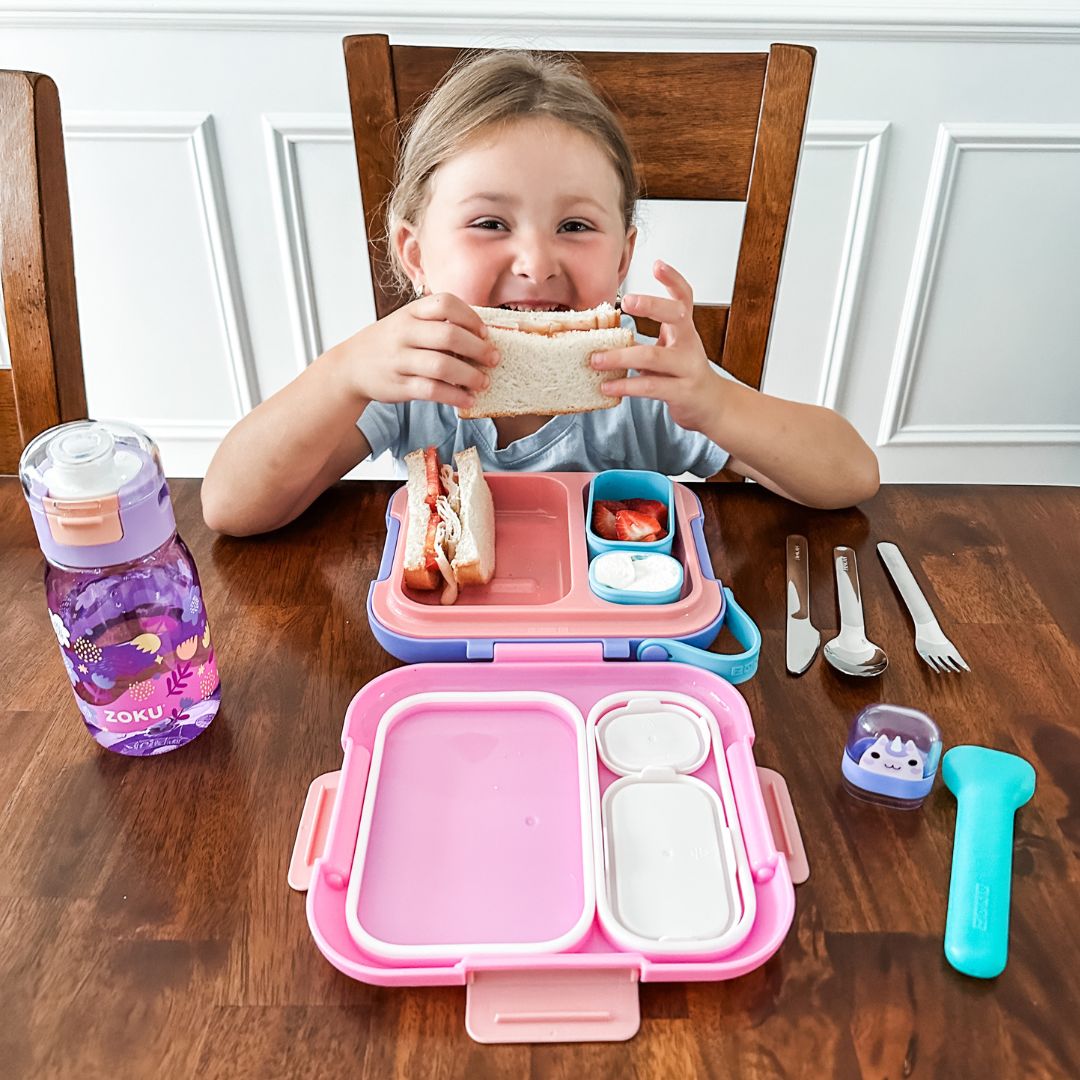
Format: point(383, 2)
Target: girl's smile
point(547, 234)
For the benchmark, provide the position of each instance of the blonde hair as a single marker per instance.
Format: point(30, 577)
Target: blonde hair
point(483, 90)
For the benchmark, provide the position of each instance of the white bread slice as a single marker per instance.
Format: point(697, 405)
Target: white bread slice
point(541, 375)
point(474, 557)
point(417, 575)
point(603, 317)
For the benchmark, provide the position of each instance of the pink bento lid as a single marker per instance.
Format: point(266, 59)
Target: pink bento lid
point(582, 677)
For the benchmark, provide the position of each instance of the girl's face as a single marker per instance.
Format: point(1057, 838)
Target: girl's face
point(529, 215)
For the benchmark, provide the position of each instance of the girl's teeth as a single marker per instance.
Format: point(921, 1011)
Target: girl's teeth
point(526, 307)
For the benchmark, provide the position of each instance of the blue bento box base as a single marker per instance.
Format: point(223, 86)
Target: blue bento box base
point(422, 650)
point(692, 648)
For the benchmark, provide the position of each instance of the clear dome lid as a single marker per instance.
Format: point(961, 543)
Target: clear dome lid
point(89, 459)
point(891, 756)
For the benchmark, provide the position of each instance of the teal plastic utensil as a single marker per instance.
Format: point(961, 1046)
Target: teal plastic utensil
point(990, 786)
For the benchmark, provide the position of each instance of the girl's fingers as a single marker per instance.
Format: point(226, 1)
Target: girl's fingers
point(643, 358)
point(444, 368)
point(447, 337)
point(661, 309)
point(675, 283)
point(646, 386)
point(421, 389)
point(446, 307)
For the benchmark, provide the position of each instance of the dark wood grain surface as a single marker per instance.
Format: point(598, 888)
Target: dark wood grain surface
point(146, 928)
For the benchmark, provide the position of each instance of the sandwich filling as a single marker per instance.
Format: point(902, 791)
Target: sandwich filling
point(444, 524)
point(549, 320)
point(450, 527)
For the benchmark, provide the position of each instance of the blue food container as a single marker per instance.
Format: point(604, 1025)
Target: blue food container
point(628, 594)
point(620, 485)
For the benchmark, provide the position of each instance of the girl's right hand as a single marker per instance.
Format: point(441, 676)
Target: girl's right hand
point(432, 349)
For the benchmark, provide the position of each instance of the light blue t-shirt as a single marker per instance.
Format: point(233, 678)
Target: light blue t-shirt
point(638, 433)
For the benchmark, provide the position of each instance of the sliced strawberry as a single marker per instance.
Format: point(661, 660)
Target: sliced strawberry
point(434, 482)
point(652, 507)
point(603, 520)
point(636, 526)
point(612, 504)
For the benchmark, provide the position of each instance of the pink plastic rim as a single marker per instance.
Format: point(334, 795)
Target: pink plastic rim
point(541, 588)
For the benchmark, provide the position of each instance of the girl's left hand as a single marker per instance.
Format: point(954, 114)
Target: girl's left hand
point(675, 369)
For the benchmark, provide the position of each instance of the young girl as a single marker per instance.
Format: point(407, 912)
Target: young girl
point(517, 187)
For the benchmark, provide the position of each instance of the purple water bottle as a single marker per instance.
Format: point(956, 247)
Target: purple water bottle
point(122, 587)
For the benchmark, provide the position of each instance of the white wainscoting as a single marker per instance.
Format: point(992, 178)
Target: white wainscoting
point(929, 290)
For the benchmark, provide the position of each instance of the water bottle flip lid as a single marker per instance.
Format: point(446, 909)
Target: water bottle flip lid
point(86, 462)
point(96, 492)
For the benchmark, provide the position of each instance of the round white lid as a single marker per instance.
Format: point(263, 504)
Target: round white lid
point(649, 733)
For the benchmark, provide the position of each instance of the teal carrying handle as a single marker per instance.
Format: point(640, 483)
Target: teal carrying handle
point(734, 667)
point(990, 786)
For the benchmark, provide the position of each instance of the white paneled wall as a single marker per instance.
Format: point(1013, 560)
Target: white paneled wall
point(930, 287)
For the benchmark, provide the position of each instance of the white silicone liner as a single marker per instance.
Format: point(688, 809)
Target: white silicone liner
point(649, 733)
point(413, 953)
point(637, 841)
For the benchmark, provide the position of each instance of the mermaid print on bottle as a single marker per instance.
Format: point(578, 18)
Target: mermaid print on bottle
point(138, 650)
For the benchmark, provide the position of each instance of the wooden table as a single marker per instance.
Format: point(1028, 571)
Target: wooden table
point(146, 928)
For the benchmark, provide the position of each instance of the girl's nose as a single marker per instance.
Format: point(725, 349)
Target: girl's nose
point(535, 258)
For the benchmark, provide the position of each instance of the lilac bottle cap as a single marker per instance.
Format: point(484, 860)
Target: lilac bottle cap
point(97, 493)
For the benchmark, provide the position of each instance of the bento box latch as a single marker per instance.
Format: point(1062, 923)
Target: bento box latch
point(553, 1005)
point(312, 835)
point(783, 823)
point(548, 652)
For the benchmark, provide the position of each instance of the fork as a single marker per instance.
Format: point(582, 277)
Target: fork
point(932, 645)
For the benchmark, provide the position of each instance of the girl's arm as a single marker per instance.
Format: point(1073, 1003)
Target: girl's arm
point(806, 453)
point(293, 446)
point(280, 457)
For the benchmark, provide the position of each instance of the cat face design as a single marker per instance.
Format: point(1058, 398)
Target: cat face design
point(901, 761)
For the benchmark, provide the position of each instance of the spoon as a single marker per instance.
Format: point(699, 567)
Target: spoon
point(850, 652)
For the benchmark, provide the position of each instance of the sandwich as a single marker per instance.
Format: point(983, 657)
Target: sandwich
point(545, 361)
point(450, 528)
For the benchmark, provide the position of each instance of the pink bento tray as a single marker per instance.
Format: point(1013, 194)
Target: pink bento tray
point(475, 835)
point(541, 586)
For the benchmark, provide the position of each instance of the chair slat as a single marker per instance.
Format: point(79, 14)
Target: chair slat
point(46, 384)
point(768, 208)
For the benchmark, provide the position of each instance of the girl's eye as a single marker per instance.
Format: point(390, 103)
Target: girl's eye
point(576, 226)
point(487, 223)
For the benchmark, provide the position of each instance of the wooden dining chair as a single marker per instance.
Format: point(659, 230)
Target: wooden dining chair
point(44, 385)
point(708, 126)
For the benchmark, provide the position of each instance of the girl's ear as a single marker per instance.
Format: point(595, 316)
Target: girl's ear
point(406, 245)
point(628, 252)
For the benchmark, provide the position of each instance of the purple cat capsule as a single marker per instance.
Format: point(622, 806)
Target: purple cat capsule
point(891, 756)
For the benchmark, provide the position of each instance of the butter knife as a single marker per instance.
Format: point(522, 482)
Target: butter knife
point(802, 638)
